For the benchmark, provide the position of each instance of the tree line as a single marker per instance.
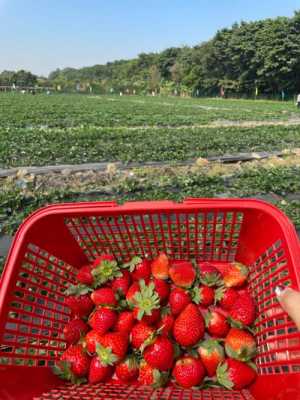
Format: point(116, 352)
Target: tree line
point(247, 59)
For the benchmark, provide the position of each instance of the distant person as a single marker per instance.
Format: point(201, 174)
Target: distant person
point(298, 101)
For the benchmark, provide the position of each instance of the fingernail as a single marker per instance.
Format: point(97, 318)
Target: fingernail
point(279, 290)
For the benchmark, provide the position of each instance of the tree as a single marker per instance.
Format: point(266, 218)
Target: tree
point(154, 78)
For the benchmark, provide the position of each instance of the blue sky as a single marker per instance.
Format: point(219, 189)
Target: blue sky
point(41, 35)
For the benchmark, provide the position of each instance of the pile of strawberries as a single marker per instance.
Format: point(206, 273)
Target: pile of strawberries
point(160, 321)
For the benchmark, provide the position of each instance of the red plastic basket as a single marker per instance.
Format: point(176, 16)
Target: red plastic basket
point(53, 242)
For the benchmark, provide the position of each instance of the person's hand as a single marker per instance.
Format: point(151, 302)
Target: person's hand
point(289, 300)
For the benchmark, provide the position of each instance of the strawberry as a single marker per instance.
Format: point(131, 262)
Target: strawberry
point(188, 372)
point(235, 375)
point(146, 300)
point(240, 345)
point(91, 339)
point(128, 370)
point(243, 310)
point(216, 324)
point(189, 327)
point(209, 275)
point(226, 297)
point(125, 322)
point(121, 284)
point(104, 296)
point(99, 372)
point(160, 353)
point(165, 325)
point(85, 276)
point(113, 347)
point(211, 354)
point(78, 300)
point(150, 376)
point(104, 270)
point(140, 333)
point(102, 257)
point(74, 363)
point(132, 291)
point(203, 295)
point(160, 266)
point(182, 273)
point(140, 269)
point(103, 319)
point(162, 288)
point(178, 300)
point(148, 319)
point(74, 330)
point(234, 274)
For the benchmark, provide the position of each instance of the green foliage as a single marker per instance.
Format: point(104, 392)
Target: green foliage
point(69, 129)
point(262, 54)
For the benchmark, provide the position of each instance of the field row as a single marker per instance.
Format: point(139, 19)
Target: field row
point(25, 147)
point(112, 111)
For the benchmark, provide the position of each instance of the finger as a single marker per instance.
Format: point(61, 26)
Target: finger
point(289, 300)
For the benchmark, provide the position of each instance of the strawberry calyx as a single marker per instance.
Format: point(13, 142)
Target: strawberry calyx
point(146, 299)
point(131, 265)
point(219, 293)
point(223, 377)
point(105, 354)
point(105, 271)
point(63, 371)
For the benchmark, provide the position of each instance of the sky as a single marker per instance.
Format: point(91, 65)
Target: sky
point(42, 35)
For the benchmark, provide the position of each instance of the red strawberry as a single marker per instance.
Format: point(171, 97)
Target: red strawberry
point(91, 339)
point(203, 295)
point(188, 372)
point(85, 276)
point(150, 376)
point(240, 345)
point(77, 362)
point(142, 270)
point(178, 300)
point(103, 257)
point(78, 300)
point(146, 303)
point(74, 330)
point(128, 370)
point(211, 354)
point(209, 275)
point(189, 327)
point(148, 319)
point(226, 297)
point(160, 266)
point(243, 310)
point(162, 288)
point(234, 274)
point(121, 284)
point(216, 324)
point(115, 343)
point(125, 322)
point(235, 375)
point(166, 325)
point(182, 273)
point(160, 354)
point(132, 291)
point(99, 372)
point(103, 319)
point(104, 296)
point(140, 333)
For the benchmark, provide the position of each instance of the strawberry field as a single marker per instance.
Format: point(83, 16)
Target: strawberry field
point(76, 129)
